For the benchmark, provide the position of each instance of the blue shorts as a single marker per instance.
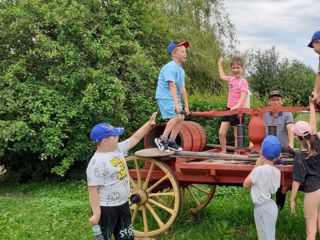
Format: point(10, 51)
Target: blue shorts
point(167, 108)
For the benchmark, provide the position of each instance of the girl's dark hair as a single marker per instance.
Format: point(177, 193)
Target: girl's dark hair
point(311, 143)
point(237, 61)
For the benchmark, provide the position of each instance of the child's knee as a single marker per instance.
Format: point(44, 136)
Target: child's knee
point(222, 133)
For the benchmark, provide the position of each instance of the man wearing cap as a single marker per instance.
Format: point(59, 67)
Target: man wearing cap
point(315, 44)
point(283, 120)
point(108, 179)
point(170, 90)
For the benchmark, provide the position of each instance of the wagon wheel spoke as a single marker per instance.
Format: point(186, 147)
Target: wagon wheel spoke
point(161, 194)
point(165, 197)
point(193, 197)
point(134, 215)
point(200, 189)
point(145, 221)
point(146, 182)
point(169, 210)
point(154, 214)
point(133, 184)
point(156, 196)
point(197, 196)
point(138, 173)
point(157, 183)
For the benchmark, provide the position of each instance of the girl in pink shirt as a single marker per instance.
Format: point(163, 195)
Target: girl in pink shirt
point(237, 94)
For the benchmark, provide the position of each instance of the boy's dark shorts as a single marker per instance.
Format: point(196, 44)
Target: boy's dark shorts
point(117, 221)
point(233, 119)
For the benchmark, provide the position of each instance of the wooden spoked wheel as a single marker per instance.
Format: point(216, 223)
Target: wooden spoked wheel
point(155, 196)
point(197, 196)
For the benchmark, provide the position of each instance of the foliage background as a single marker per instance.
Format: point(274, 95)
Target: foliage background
point(67, 65)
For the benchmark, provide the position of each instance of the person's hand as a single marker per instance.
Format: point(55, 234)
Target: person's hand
point(152, 120)
point(177, 109)
point(260, 161)
point(293, 207)
point(234, 108)
point(94, 220)
point(187, 110)
point(314, 98)
point(220, 60)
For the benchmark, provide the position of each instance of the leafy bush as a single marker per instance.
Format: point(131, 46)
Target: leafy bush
point(65, 66)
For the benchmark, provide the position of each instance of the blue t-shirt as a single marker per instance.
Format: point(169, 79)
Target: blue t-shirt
point(170, 72)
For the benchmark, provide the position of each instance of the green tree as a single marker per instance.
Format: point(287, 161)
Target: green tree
point(268, 72)
point(64, 66)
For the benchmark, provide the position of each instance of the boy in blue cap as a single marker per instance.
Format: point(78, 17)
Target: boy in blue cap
point(315, 44)
point(264, 180)
point(108, 179)
point(170, 90)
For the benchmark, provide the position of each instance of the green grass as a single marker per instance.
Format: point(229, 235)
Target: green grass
point(61, 211)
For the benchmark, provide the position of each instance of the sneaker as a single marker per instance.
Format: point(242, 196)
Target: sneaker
point(175, 147)
point(162, 145)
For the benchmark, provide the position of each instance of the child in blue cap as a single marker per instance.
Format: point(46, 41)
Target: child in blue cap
point(315, 44)
point(170, 90)
point(264, 180)
point(108, 179)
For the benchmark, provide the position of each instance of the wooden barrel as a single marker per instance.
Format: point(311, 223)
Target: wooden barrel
point(191, 136)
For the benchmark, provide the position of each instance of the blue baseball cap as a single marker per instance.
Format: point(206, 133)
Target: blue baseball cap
point(104, 130)
point(271, 147)
point(175, 44)
point(315, 36)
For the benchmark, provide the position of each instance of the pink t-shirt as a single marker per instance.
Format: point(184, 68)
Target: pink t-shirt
point(236, 86)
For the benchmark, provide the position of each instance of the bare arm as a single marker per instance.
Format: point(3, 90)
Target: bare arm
point(294, 190)
point(290, 135)
point(173, 91)
point(317, 83)
point(94, 201)
point(185, 99)
point(313, 118)
point(243, 97)
point(221, 71)
point(247, 183)
point(316, 89)
point(139, 134)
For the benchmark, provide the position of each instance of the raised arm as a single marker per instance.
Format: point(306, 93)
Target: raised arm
point(247, 183)
point(139, 134)
point(316, 89)
point(313, 118)
point(221, 71)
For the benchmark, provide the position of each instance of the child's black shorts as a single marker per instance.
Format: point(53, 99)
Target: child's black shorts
point(232, 119)
point(117, 221)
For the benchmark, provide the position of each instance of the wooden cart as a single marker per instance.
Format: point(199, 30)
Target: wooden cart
point(162, 182)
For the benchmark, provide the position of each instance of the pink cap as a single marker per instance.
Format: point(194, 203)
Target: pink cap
point(301, 128)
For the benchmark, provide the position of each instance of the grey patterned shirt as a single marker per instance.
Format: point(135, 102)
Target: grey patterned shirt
point(109, 171)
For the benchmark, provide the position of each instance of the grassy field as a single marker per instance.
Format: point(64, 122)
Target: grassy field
point(60, 211)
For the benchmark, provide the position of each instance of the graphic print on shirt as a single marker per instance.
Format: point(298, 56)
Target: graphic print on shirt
point(122, 173)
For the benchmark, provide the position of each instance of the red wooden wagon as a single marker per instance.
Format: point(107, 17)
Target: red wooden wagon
point(160, 182)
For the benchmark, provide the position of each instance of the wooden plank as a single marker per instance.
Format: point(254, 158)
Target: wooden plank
point(152, 152)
